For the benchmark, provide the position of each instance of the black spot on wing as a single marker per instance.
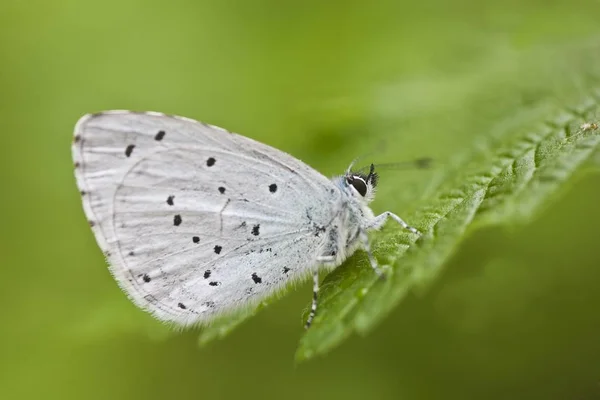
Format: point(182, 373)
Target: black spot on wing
point(159, 136)
point(210, 162)
point(286, 270)
point(218, 249)
point(177, 220)
point(256, 278)
point(272, 188)
point(129, 150)
point(182, 306)
point(207, 274)
point(146, 278)
point(221, 189)
point(170, 200)
point(214, 283)
point(196, 239)
point(256, 230)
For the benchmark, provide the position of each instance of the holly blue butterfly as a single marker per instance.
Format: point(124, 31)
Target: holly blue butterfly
point(196, 221)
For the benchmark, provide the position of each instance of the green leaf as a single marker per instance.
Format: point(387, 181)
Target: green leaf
point(510, 188)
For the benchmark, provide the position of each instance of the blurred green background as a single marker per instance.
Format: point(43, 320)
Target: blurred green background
point(514, 315)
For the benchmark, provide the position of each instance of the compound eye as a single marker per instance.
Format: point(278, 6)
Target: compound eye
point(359, 184)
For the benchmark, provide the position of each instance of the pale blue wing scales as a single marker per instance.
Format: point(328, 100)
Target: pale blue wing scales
point(170, 198)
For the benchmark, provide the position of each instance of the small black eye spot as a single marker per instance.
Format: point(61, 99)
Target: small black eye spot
point(129, 150)
point(159, 136)
point(272, 188)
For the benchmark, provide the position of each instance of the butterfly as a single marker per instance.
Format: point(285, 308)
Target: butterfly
point(196, 221)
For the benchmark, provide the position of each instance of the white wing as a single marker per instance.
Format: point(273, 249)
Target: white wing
point(194, 220)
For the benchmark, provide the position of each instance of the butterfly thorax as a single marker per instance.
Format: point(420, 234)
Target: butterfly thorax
point(351, 216)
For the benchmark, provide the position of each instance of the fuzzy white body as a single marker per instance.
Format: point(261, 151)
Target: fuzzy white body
point(196, 221)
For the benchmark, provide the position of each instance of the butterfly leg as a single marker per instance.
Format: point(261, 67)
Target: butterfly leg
point(372, 260)
point(313, 308)
point(381, 219)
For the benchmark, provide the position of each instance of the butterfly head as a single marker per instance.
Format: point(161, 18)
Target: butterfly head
point(362, 185)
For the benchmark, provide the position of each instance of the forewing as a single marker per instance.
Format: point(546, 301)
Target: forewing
point(194, 220)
